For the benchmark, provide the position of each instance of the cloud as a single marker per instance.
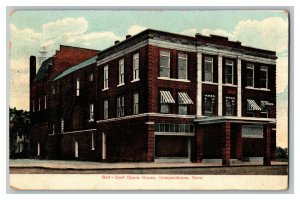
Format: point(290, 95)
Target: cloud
point(132, 30)
point(220, 32)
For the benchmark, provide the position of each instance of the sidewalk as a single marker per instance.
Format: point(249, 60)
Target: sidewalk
point(62, 164)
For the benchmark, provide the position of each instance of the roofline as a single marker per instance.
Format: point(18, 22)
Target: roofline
point(63, 45)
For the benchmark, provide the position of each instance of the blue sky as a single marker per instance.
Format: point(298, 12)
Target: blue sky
point(98, 29)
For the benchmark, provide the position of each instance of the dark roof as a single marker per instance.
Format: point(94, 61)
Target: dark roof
point(76, 67)
point(43, 70)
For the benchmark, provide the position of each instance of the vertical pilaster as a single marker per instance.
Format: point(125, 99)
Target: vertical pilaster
point(199, 144)
point(150, 141)
point(239, 87)
point(267, 144)
point(199, 84)
point(220, 87)
point(239, 143)
point(226, 143)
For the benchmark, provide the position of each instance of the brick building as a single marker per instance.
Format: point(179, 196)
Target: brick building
point(156, 96)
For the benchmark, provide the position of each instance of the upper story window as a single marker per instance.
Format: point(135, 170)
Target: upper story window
point(77, 87)
point(33, 106)
point(182, 66)
point(135, 103)
point(45, 105)
point(263, 76)
point(164, 70)
point(136, 67)
point(91, 77)
point(209, 104)
point(250, 75)
point(39, 103)
point(120, 106)
point(91, 112)
point(165, 100)
point(229, 71)
point(208, 69)
point(105, 77)
point(229, 106)
point(105, 109)
point(121, 72)
point(183, 101)
point(62, 127)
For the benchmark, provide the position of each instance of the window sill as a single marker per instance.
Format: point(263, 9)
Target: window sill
point(261, 89)
point(229, 85)
point(120, 84)
point(105, 89)
point(135, 80)
point(210, 83)
point(174, 79)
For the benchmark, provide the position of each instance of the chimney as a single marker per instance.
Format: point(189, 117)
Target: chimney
point(32, 70)
point(117, 41)
point(128, 36)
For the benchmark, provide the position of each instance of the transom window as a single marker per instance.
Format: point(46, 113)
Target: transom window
point(208, 69)
point(164, 70)
point(136, 66)
point(105, 77)
point(229, 72)
point(209, 102)
point(252, 131)
point(121, 72)
point(120, 106)
point(250, 75)
point(177, 128)
point(182, 66)
point(264, 77)
point(135, 103)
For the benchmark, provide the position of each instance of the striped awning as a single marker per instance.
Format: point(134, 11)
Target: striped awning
point(183, 98)
point(166, 97)
point(252, 106)
point(266, 103)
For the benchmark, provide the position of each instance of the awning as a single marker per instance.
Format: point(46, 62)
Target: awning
point(166, 97)
point(266, 103)
point(252, 106)
point(183, 98)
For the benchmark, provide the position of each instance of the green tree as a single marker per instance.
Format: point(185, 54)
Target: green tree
point(281, 153)
point(19, 126)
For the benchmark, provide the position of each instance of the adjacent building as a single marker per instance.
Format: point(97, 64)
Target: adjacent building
point(156, 96)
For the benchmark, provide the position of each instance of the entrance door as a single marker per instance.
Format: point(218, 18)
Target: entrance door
point(103, 146)
point(76, 149)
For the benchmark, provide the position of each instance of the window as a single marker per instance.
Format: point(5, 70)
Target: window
point(136, 66)
point(164, 61)
point(93, 143)
point(229, 71)
point(165, 100)
point(208, 69)
point(105, 105)
point(77, 87)
point(265, 107)
point(91, 77)
point(53, 129)
point(91, 111)
point(182, 66)
point(209, 101)
point(62, 126)
point(105, 78)
point(135, 103)
point(250, 75)
point(264, 77)
point(39, 103)
point(120, 106)
point(45, 106)
point(175, 128)
point(229, 106)
point(252, 131)
point(53, 91)
point(33, 106)
point(121, 72)
point(183, 101)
